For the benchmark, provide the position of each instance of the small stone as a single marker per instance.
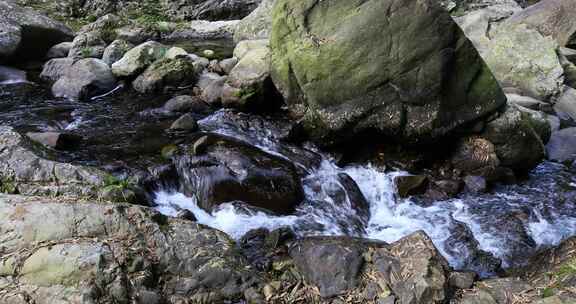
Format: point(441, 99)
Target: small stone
point(200, 145)
point(387, 300)
point(175, 52)
point(475, 184)
point(186, 103)
point(185, 123)
point(462, 280)
point(411, 185)
point(228, 64)
point(186, 214)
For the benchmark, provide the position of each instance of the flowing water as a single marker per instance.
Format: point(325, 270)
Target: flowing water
point(510, 222)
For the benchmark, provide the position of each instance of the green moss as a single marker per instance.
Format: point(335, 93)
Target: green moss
point(548, 292)
point(246, 93)
point(86, 52)
point(8, 186)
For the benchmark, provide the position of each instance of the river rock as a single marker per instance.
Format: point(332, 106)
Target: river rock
point(527, 102)
point(257, 25)
point(185, 103)
point(60, 50)
point(167, 73)
point(115, 51)
point(409, 185)
point(249, 83)
point(185, 123)
point(85, 79)
point(228, 64)
point(87, 45)
point(226, 170)
point(518, 146)
point(210, 10)
point(59, 141)
point(562, 145)
point(55, 69)
point(83, 248)
point(174, 52)
point(207, 33)
point(212, 93)
point(418, 107)
point(138, 59)
point(24, 170)
point(565, 106)
point(28, 34)
point(475, 155)
point(332, 264)
point(523, 58)
point(555, 18)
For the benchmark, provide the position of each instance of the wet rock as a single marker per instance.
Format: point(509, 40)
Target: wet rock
point(59, 141)
point(517, 144)
point(539, 122)
point(27, 34)
point(167, 73)
point(462, 243)
point(55, 69)
point(257, 25)
point(420, 264)
point(332, 264)
point(230, 170)
point(85, 79)
point(138, 59)
point(23, 169)
point(60, 50)
point(308, 49)
point(475, 184)
point(411, 185)
point(115, 51)
point(210, 10)
point(185, 123)
point(186, 103)
point(186, 215)
point(260, 245)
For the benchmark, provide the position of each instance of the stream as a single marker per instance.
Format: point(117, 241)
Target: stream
point(121, 130)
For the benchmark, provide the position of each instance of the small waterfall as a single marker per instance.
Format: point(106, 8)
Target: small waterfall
point(512, 221)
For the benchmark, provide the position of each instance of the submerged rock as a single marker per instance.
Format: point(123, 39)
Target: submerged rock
point(218, 170)
point(85, 79)
point(27, 34)
point(412, 89)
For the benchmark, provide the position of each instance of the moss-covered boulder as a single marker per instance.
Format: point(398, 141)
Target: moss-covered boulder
point(138, 59)
point(26, 34)
point(400, 68)
point(165, 73)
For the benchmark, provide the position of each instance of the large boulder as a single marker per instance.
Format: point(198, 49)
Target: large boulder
point(346, 69)
point(138, 59)
point(54, 252)
point(219, 170)
point(24, 170)
point(26, 34)
point(85, 79)
point(165, 73)
point(257, 25)
point(210, 9)
point(522, 58)
point(517, 144)
point(556, 18)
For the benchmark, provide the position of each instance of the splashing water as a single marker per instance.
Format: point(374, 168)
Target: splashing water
point(539, 210)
